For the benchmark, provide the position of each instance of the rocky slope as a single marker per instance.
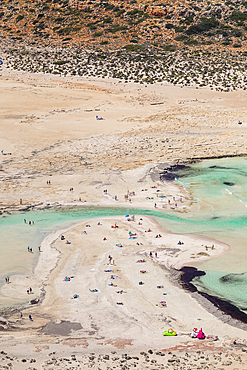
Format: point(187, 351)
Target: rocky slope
point(113, 24)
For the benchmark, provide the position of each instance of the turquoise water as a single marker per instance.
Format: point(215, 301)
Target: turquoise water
point(16, 235)
point(220, 190)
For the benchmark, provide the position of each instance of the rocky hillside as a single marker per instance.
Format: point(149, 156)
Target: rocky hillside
point(109, 24)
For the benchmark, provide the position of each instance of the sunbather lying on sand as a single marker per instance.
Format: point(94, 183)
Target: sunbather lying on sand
point(111, 284)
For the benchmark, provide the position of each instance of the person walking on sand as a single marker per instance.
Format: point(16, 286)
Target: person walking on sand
point(30, 318)
point(30, 290)
point(39, 248)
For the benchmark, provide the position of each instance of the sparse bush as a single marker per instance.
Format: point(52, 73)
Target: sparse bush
point(133, 47)
point(169, 48)
point(97, 34)
point(181, 38)
point(204, 25)
point(19, 17)
point(169, 26)
point(237, 16)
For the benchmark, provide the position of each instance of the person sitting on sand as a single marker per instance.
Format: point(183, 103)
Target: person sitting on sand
point(30, 318)
point(75, 296)
point(99, 118)
point(67, 242)
point(62, 237)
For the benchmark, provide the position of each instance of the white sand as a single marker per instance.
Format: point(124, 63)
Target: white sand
point(57, 138)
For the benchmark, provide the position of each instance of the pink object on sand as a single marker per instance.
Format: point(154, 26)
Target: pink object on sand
point(201, 335)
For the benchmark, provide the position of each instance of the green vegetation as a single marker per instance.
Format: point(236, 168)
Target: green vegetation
point(169, 48)
point(61, 62)
point(133, 47)
point(19, 17)
point(204, 25)
point(190, 23)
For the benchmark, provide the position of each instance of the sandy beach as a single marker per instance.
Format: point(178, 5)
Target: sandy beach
point(62, 155)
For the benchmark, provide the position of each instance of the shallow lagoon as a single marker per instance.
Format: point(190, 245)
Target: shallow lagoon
point(218, 186)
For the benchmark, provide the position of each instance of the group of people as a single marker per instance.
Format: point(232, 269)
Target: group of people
point(29, 316)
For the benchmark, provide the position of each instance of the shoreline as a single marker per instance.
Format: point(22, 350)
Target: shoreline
point(181, 278)
point(237, 318)
point(58, 144)
point(76, 344)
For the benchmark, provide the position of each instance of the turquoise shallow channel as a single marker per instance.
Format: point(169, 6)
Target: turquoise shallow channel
point(219, 188)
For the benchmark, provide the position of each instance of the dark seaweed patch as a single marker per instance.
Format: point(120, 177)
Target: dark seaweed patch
point(232, 279)
point(189, 273)
point(185, 280)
